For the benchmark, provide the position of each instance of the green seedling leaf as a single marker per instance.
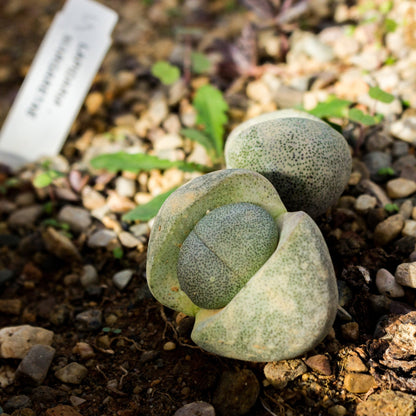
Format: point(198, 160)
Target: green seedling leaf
point(333, 107)
point(387, 171)
point(390, 208)
point(147, 211)
point(211, 108)
point(390, 25)
point(200, 63)
point(165, 72)
point(46, 178)
point(378, 94)
point(199, 137)
point(136, 162)
point(118, 253)
point(358, 116)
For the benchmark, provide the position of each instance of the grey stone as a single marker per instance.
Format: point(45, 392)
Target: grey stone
point(279, 373)
point(25, 217)
point(387, 285)
point(16, 341)
point(122, 278)
point(17, 402)
point(79, 219)
point(89, 276)
point(399, 148)
point(35, 364)
point(89, 320)
point(101, 238)
point(72, 373)
point(236, 392)
point(128, 240)
point(196, 409)
point(375, 161)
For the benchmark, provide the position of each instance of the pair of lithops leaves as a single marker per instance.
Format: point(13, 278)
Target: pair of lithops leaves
point(223, 248)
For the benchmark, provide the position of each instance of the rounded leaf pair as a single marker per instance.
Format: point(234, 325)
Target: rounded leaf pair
point(258, 279)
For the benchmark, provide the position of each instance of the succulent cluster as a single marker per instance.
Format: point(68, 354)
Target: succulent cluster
point(258, 279)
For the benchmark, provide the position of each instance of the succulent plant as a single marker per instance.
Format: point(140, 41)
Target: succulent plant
point(307, 161)
point(258, 279)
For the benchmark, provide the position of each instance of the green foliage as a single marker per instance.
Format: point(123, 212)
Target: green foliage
point(355, 114)
point(333, 107)
point(387, 171)
point(115, 331)
point(380, 95)
point(118, 253)
point(211, 108)
point(136, 162)
point(200, 63)
point(391, 208)
point(165, 72)
point(390, 25)
point(46, 178)
point(147, 211)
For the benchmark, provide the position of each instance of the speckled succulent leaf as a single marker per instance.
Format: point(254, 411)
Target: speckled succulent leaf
point(307, 161)
point(182, 211)
point(285, 309)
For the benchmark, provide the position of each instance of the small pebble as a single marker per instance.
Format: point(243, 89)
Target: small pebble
point(17, 402)
point(119, 204)
point(79, 219)
point(387, 230)
point(406, 209)
point(7, 376)
point(358, 382)
point(337, 410)
point(319, 363)
point(10, 306)
point(409, 228)
point(92, 199)
point(60, 245)
point(84, 350)
point(62, 410)
point(89, 276)
point(16, 341)
point(387, 285)
point(406, 274)
point(169, 346)
point(101, 238)
point(72, 373)
point(125, 187)
point(236, 393)
point(94, 101)
point(89, 320)
point(365, 202)
point(400, 188)
point(278, 374)
point(387, 402)
point(25, 217)
point(128, 240)
point(35, 364)
point(354, 364)
point(196, 409)
point(350, 331)
point(122, 278)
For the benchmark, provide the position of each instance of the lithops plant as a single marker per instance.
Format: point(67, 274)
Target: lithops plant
point(258, 279)
point(308, 162)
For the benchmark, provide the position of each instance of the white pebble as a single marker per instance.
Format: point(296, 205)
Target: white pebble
point(365, 202)
point(406, 274)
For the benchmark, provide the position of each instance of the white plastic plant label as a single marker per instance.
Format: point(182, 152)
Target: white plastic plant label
point(57, 82)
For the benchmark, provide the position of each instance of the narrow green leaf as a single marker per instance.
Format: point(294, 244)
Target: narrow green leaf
point(333, 107)
point(378, 94)
point(165, 72)
point(358, 116)
point(200, 63)
point(211, 108)
point(136, 162)
point(147, 211)
point(199, 137)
